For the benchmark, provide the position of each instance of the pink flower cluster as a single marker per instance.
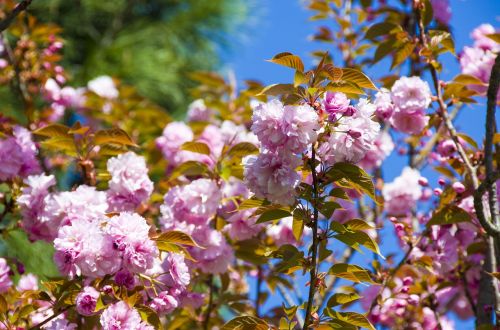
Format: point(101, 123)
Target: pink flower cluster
point(401, 195)
point(478, 60)
point(411, 96)
point(44, 212)
point(119, 316)
point(129, 185)
point(283, 132)
point(352, 137)
point(103, 247)
point(18, 155)
point(191, 208)
point(215, 136)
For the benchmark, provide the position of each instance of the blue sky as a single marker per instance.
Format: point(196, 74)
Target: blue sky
point(283, 25)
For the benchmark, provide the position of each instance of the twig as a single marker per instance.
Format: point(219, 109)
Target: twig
point(22, 6)
point(47, 320)
point(206, 320)
point(314, 247)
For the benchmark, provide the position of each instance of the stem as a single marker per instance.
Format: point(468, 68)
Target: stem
point(47, 320)
point(314, 247)
point(23, 5)
point(206, 321)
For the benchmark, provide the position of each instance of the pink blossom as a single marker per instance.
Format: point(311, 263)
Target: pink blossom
point(382, 148)
point(481, 40)
point(86, 301)
point(129, 185)
point(176, 273)
point(175, 134)
point(33, 201)
point(410, 123)
point(119, 316)
point(82, 249)
point(194, 203)
point(402, 194)
point(446, 147)
point(233, 134)
point(353, 137)
point(272, 176)
point(335, 103)
point(125, 278)
point(217, 254)
point(198, 111)
point(18, 155)
point(282, 233)
point(292, 128)
point(28, 282)
point(411, 94)
point(103, 86)
point(383, 104)
point(60, 324)
point(164, 303)
point(477, 62)
point(128, 233)
point(242, 226)
point(5, 281)
point(442, 10)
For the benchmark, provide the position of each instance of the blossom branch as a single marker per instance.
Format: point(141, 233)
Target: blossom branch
point(22, 6)
point(314, 246)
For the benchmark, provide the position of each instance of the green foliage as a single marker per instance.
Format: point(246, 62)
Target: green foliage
point(149, 44)
point(18, 246)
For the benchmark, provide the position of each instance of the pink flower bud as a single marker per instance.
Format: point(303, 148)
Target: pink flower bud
point(354, 133)
point(441, 182)
point(86, 301)
point(458, 187)
point(438, 191)
point(423, 181)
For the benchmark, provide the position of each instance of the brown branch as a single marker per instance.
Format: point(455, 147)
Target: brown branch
point(314, 246)
point(7, 21)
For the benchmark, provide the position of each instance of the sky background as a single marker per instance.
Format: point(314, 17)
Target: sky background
point(283, 25)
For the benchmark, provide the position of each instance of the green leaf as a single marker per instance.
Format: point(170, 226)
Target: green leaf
point(494, 36)
point(339, 193)
point(189, 168)
point(402, 54)
point(357, 238)
point(300, 78)
point(290, 311)
point(381, 29)
point(289, 60)
point(4, 307)
point(60, 143)
point(291, 257)
point(468, 79)
point(345, 87)
point(356, 319)
point(176, 237)
point(427, 13)
point(277, 89)
point(242, 149)
point(297, 228)
point(384, 49)
point(351, 272)
point(54, 130)
point(328, 208)
point(252, 203)
point(174, 248)
point(77, 128)
point(113, 136)
point(149, 315)
point(442, 38)
point(351, 176)
point(357, 77)
point(449, 214)
point(333, 73)
point(468, 139)
point(197, 147)
point(342, 298)
point(273, 214)
point(358, 224)
point(246, 322)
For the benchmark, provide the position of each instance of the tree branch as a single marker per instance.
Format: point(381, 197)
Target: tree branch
point(7, 21)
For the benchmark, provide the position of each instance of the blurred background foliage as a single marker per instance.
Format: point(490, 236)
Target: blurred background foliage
point(150, 44)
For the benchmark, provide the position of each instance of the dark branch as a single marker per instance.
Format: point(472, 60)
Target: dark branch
point(22, 6)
